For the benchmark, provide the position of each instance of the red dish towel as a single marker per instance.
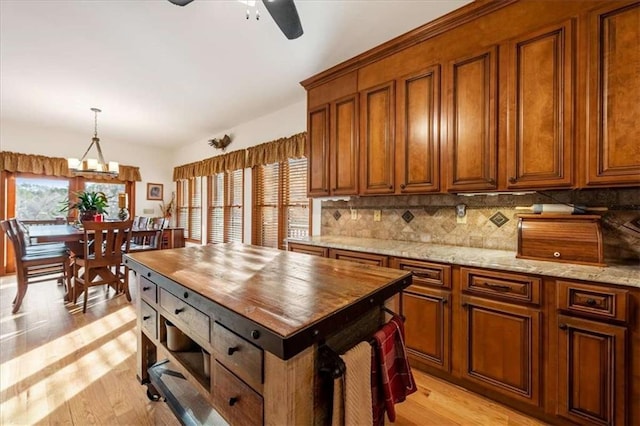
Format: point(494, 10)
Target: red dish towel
point(395, 375)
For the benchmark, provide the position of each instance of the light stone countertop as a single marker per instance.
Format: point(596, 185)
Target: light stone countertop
point(625, 275)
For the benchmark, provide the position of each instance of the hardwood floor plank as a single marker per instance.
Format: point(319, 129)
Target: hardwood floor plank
point(61, 367)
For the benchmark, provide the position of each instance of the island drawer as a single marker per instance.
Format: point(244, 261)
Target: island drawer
point(425, 274)
point(149, 319)
point(182, 312)
point(148, 290)
point(500, 285)
point(237, 402)
point(593, 300)
point(238, 355)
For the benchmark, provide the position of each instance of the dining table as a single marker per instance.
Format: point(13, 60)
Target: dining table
point(55, 233)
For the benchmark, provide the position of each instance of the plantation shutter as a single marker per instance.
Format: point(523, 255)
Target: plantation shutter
point(233, 218)
point(195, 207)
point(265, 219)
point(216, 209)
point(182, 205)
point(295, 201)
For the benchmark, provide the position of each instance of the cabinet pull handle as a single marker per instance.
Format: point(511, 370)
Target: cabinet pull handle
point(491, 181)
point(444, 300)
point(186, 295)
point(233, 349)
point(591, 302)
point(497, 286)
point(255, 334)
point(465, 304)
point(146, 317)
point(512, 179)
point(562, 326)
point(232, 401)
point(146, 288)
point(177, 311)
point(403, 186)
point(390, 186)
point(149, 274)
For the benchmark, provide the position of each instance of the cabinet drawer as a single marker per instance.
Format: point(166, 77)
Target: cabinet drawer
point(306, 249)
point(181, 312)
point(354, 256)
point(499, 285)
point(425, 273)
point(238, 355)
point(237, 402)
point(593, 300)
point(148, 290)
point(148, 318)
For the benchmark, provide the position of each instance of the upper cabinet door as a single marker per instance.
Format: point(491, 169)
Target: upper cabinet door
point(377, 139)
point(418, 132)
point(613, 147)
point(540, 132)
point(472, 122)
point(318, 151)
point(344, 146)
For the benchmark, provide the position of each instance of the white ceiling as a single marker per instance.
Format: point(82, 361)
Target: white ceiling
point(170, 75)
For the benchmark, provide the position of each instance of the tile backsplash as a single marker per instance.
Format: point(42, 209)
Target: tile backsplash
point(490, 220)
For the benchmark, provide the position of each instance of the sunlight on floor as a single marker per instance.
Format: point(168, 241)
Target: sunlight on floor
point(51, 352)
point(58, 385)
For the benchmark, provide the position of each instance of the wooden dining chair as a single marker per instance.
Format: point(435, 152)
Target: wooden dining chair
point(35, 265)
point(145, 240)
point(101, 260)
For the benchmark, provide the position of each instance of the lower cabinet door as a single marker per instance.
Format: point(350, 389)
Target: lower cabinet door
point(428, 327)
point(591, 373)
point(501, 345)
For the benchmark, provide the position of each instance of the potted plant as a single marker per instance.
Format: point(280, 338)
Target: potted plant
point(88, 205)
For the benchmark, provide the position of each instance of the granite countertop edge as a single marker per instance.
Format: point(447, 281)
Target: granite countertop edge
point(624, 275)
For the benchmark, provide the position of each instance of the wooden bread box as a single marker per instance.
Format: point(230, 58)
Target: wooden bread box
point(561, 238)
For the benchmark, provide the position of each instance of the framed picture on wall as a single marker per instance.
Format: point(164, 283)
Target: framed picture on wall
point(154, 191)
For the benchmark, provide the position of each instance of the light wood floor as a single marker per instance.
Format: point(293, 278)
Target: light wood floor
point(59, 366)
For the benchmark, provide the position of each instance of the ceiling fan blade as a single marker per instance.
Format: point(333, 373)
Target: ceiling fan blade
point(181, 2)
point(285, 14)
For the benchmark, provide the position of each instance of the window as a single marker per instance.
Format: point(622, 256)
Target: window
point(189, 206)
point(40, 198)
point(225, 207)
point(281, 206)
point(111, 190)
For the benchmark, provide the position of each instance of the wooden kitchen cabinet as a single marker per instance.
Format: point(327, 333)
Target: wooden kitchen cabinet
point(332, 138)
point(418, 132)
point(591, 371)
point(501, 347)
point(426, 305)
point(377, 139)
point(540, 123)
point(613, 151)
point(472, 136)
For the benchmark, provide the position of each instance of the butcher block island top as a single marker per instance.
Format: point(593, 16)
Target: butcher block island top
point(240, 334)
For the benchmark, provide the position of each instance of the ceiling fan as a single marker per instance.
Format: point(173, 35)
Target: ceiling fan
point(283, 12)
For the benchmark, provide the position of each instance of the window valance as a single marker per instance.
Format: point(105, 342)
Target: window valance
point(266, 153)
point(278, 150)
point(54, 166)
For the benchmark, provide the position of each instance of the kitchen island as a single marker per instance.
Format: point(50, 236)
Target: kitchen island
point(255, 320)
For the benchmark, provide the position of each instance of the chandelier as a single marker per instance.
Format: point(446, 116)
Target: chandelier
point(92, 166)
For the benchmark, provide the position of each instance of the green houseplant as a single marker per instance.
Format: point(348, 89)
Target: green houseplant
point(88, 205)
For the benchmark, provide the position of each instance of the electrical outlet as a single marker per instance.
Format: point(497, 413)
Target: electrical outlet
point(376, 215)
point(354, 214)
point(148, 211)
